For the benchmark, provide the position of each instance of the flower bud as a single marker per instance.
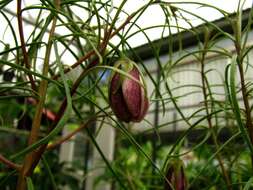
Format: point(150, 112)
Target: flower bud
point(175, 176)
point(127, 97)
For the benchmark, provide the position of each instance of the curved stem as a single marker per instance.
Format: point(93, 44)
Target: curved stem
point(69, 136)
point(240, 59)
point(248, 124)
point(102, 46)
point(9, 163)
point(22, 40)
point(29, 159)
point(209, 119)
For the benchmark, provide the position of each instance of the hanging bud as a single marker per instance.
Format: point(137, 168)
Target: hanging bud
point(128, 97)
point(175, 176)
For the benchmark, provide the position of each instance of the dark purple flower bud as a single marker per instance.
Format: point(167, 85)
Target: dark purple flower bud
point(128, 98)
point(175, 176)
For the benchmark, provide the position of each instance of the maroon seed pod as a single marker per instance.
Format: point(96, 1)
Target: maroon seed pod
point(127, 97)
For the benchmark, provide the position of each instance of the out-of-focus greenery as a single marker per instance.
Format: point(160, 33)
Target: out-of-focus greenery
point(136, 173)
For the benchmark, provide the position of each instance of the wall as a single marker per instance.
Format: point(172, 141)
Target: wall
point(186, 75)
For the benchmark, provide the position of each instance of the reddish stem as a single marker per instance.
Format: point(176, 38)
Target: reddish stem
point(9, 163)
point(22, 40)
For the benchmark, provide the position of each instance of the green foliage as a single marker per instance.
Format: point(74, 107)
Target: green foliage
point(54, 75)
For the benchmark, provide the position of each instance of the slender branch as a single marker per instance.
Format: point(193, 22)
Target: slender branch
point(102, 46)
point(127, 21)
point(22, 40)
point(240, 59)
point(209, 119)
point(249, 123)
point(69, 136)
point(82, 59)
point(9, 163)
point(29, 159)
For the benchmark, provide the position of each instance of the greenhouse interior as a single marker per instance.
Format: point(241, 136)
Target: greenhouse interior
point(126, 95)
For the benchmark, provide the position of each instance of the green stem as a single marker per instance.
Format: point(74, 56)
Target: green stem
point(249, 124)
point(29, 159)
point(239, 60)
point(209, 119)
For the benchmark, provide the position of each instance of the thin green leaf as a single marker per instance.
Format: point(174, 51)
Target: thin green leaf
point(249, 184)
point(51, 176)
point(30, 185)
point(236, 107)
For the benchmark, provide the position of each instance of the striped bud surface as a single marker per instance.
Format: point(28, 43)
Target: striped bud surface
point(175, 175)
point(127, 97)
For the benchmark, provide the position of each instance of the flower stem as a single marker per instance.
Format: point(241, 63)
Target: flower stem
point(9, 163)
point(29, 159)
point(209, 119)
point(22, 40)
